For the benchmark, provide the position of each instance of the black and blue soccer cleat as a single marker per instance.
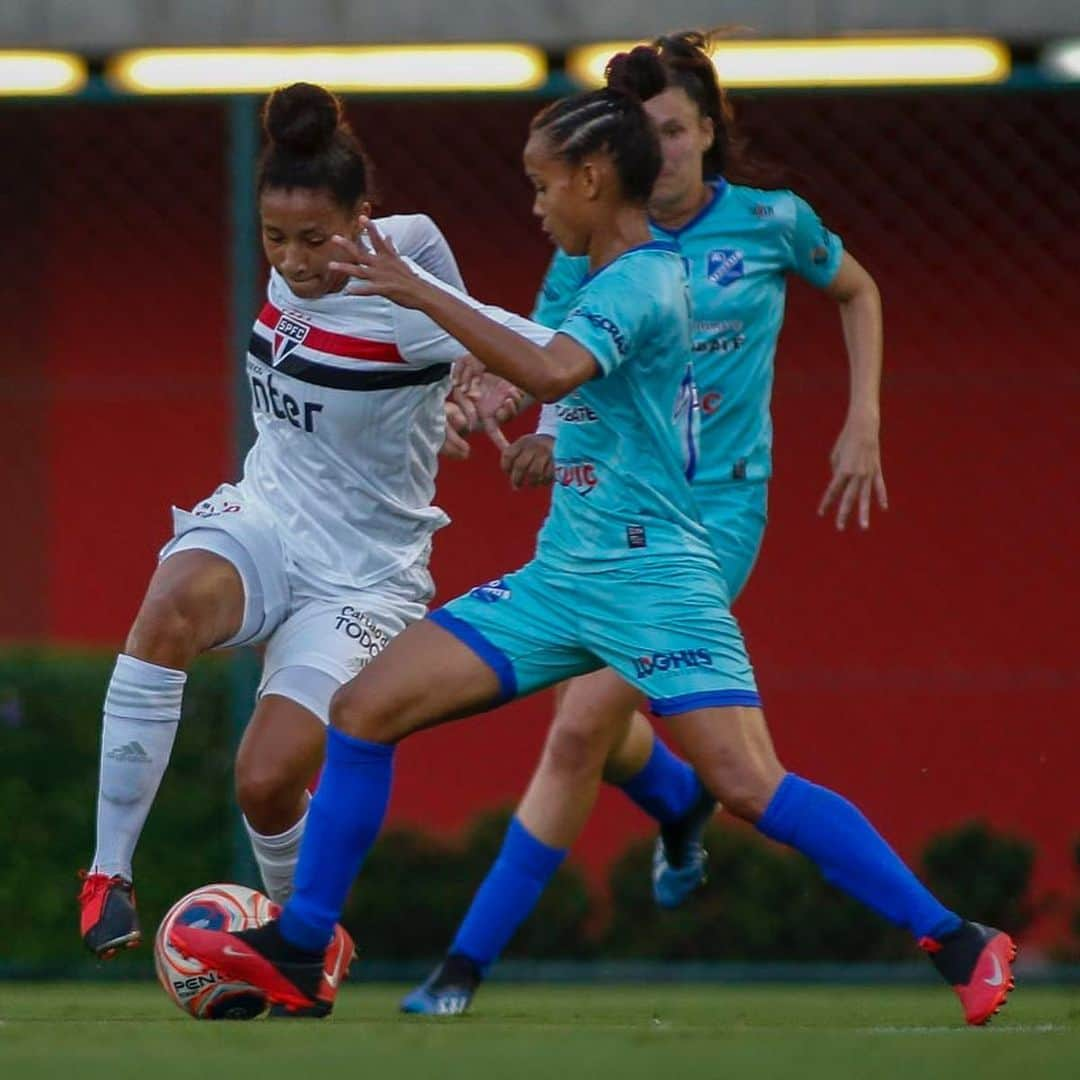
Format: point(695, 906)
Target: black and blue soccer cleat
point(679, 858)
point(108, 920)
point(448, 991)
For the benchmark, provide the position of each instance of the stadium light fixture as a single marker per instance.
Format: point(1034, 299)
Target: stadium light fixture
point(30, 73)
point(1062, 59)
point(370, 69)
point(832, 62)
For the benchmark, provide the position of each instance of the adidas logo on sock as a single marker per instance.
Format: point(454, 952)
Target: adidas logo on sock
point(131, 751)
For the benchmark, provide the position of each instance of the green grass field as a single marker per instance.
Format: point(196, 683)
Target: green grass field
point(663, 1032)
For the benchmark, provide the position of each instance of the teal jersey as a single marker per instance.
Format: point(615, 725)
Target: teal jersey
point(738, 252)
point(627, 442)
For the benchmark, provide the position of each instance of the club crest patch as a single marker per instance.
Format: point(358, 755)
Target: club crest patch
point(288, 333)
point(724, 266)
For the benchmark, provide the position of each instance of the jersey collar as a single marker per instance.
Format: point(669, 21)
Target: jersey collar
point(651, 245)
point(719, 186)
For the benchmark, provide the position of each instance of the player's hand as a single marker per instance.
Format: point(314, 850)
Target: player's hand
point(529, 460)
point(467, 372)
point(482, 396)
point(496, 400)
point(455, 446)
point(856, 474)
point(381, 271)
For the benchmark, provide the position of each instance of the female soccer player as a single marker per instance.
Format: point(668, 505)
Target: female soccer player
point(739, 243)
point(624, 575)
point(321, 550)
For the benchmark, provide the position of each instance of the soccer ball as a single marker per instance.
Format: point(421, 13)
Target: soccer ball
point(197, 989)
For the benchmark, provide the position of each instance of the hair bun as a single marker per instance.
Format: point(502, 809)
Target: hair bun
point(302, 117)
point(639, 73)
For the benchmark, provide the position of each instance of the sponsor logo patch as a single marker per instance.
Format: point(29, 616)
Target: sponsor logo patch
point(679, 660)
point(576, 414)
point(604, 323)
point(579, 475)
point(369, 638)
point(268, 398)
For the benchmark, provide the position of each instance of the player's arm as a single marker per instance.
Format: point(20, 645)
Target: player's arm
point(856, 455)
point(818, 256)
point(548, 372)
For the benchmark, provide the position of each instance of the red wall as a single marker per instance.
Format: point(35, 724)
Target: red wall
point(928, 669)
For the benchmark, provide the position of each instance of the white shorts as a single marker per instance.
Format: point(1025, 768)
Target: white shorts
point(306, 630)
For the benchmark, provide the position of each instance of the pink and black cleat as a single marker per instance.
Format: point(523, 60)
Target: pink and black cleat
point(976, 961)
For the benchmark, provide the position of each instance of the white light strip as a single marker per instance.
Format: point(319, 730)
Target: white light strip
point(425, 68)
point(1062, 60)
point(862, 62)
point(27, 73)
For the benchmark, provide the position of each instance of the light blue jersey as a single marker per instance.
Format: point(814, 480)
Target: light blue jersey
point(627, 441)
point(625, 575)
point(738, 251)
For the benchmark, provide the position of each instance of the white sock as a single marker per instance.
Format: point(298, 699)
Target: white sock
point(277, 857)
point(142, 712)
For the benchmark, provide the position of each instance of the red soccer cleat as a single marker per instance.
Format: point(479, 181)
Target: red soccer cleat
point(306, 983)
point(108, 920)
point(976, 961)
point(340, 953)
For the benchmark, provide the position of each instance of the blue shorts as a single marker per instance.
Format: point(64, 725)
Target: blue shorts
point(664, 625)
point(735, 516)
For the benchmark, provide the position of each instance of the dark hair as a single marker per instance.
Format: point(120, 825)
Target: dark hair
point(613, 120)
point(686, 63)
point(312, 146)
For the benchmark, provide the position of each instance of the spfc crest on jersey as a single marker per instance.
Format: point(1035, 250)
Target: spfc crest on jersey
point(724, 266)
point(288, 333)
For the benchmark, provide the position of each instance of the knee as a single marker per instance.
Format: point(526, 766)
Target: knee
point(745, 800)
point(354, 711)
point(267, 792)
point(164, 633)
point(576, 747)
point(742, 790)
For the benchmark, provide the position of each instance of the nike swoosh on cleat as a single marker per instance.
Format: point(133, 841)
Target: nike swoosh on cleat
point(998, 977)
point(228, 950)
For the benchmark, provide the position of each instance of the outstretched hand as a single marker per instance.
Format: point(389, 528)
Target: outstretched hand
point(381, 271)
point(856, 476)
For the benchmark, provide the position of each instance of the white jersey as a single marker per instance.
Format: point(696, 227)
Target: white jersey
point(347, 394)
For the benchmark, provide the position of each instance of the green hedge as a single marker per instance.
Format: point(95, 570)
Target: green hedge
point(50, 722)
point(762, 903)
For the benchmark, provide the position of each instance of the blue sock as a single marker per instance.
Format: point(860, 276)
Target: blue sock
point(852, 855)
point(344, 819)
point(666, 787)
point(507, 895)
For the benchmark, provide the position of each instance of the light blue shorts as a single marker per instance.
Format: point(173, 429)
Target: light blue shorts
point(663, 624)
point(735, 516)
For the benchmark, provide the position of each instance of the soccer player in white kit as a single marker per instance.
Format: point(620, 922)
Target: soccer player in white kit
point(321, 550)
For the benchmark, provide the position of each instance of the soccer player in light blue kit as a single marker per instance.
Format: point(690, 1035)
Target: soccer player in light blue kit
point(739, 244)
point(624, 575)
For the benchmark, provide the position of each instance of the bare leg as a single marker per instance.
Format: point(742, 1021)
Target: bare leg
point(593, 713)
point(281, 751)
point(195, 601)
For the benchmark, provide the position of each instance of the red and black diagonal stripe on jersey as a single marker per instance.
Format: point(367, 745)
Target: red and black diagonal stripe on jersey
point(288, 333)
